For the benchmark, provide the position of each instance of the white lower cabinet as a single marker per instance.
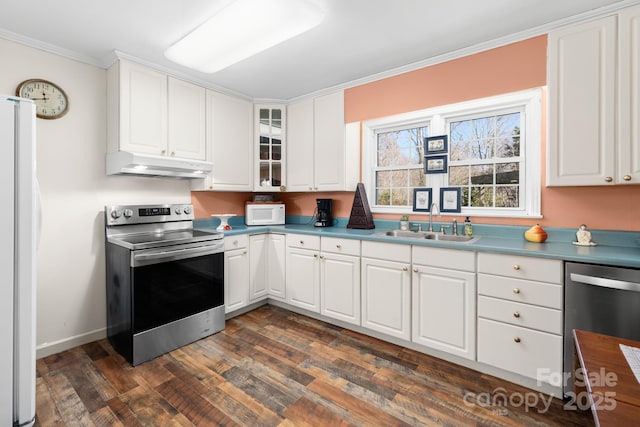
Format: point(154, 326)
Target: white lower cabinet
point(276, 251)
point(258, 257)
point(520, 303)
point(340, 279)
point(303, 271)
point(443, 300)
point(386, 288)
point(236, 272)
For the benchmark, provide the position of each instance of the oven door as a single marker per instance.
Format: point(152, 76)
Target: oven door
point(174, 282)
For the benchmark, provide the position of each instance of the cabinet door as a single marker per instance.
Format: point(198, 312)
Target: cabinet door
point(236, 279)
point(143, 110)
point(386, 297)
point(300, 157)
point(329, 142)
point(444, 310)
point(340, 287)
point(276, 266)
point(303, 278)
point(582, 94)
point(270, 147)
point(230, 139)
point(629, 100)
point(187, 118)
point(258, 266)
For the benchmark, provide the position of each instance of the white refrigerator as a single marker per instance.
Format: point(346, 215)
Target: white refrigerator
point(19, 223)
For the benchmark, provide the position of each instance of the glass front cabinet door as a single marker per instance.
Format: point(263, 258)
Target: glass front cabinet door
point(270, 145)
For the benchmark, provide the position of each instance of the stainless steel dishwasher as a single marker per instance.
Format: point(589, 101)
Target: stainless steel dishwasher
point(600, 299)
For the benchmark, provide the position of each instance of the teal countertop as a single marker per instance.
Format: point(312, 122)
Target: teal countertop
point(617, 248)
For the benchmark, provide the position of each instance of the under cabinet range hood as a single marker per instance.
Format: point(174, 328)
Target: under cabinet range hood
point(127, 163)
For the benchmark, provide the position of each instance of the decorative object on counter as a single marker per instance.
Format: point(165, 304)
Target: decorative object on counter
point(584, 237)
point(450, 199)
point(435, 144)
point(224, 221)
point(361, 216)
point(404, 223)
point(468, 228)
point(536, 234)
point(421, 199)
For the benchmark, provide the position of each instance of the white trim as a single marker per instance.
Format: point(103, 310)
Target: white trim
point(47, 349)
point(529, 101)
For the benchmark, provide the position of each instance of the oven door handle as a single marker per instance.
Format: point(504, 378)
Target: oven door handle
point(142, 259)
point(605, 283)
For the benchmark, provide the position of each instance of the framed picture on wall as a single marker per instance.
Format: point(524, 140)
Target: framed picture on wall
point(421, 199)
point(435, 164)
point(450, 199)
point(435, 145)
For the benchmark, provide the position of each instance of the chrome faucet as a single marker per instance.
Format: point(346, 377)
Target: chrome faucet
point(433, 206)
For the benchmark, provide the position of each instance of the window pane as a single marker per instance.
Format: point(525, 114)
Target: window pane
point(465, 196)
point(459, 175)
point(460, 150)
point(264, 152)
point(482, 149)
point(400, 197)
point(403, 147)
point(508, 132)
point(383, 196)
point(417, 178)
point(383, 179)
point(482, 196)
point(507, 196)
point(482, 174)
point(508, 173)
point(277, 152)
point(276, 179)
point(400, 178)
point(483, 128)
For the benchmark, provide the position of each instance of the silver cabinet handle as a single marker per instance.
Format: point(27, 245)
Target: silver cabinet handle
point(605, 283)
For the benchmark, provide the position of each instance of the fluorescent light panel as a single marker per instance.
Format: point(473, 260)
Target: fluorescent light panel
point(243, 29)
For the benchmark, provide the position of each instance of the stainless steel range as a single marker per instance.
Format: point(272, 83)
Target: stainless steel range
point(165, 280)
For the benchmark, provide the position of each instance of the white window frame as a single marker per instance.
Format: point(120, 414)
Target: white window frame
point(529, 102)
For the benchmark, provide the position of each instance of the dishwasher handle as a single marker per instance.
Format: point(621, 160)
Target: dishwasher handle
point(605, 283)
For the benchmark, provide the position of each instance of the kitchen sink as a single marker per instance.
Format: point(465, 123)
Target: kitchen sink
point(429, 235)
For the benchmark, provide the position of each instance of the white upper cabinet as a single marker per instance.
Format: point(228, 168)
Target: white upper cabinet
point(229, 144)
point(319, 156)
point(593, 102)
point(152, 113)
point(270, 147)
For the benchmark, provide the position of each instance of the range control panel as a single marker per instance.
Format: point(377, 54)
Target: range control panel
point(144, 214)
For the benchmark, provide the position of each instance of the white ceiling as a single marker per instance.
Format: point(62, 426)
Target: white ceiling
point(357, 39)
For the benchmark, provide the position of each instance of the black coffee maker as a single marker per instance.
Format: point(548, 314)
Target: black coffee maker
point(324, 209)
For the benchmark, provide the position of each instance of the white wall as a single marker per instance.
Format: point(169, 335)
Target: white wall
point(71, 171)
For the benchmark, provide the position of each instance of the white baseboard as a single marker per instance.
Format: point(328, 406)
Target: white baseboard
point(49, 348)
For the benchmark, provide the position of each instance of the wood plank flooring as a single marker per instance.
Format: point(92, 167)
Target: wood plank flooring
point(271, 367)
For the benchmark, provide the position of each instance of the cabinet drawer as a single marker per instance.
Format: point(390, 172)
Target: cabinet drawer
point(303, 241)
point(520, 267)
point(444, 258)
point(236, 242)
point(515, 313)
point(340, 246)
point(387, 251)
point(520, 350)
point(524, 291)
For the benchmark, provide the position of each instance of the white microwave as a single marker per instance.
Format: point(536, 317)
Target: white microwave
point(264, 214)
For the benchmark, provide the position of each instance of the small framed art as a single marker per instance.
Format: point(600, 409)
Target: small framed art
point(421, 199)
point(450, 199)
point(435, 164)
point(435, 145)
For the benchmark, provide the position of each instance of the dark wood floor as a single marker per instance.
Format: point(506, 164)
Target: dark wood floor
point(272, 367)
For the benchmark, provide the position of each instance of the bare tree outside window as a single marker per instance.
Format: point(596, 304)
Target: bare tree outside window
point(485, 160)
point(399, 165)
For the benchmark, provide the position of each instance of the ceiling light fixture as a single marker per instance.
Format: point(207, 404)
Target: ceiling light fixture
point(243, 29)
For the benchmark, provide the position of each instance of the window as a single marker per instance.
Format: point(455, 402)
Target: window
point(399, 165)
point(493, 156)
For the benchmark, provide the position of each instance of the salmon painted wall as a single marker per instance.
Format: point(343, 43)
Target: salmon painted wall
point(510, 68)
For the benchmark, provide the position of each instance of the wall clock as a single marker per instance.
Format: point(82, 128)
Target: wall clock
point(51, 101)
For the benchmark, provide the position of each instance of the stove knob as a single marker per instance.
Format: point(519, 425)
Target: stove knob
point(128, 213)
point(187, 210)
point(117, 213)
point(178, 210)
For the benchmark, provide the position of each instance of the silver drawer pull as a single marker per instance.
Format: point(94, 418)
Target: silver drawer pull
point(516, 339)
